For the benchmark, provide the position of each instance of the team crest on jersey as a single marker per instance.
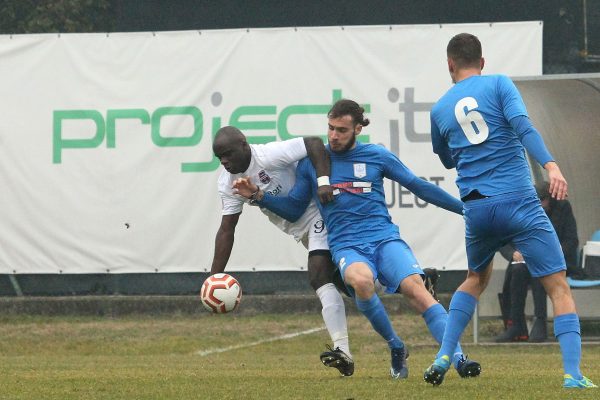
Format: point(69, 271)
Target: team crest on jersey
point(360, 170)
point(264, 178)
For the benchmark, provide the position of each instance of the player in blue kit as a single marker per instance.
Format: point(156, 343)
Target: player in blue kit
point(480, 127)
point(364, 242)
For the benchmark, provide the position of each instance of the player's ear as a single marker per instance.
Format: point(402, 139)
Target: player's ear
point(482, 63)
point(357, 129)
point(451, 66)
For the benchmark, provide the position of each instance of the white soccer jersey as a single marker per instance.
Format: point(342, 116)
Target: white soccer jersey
point(273, 169)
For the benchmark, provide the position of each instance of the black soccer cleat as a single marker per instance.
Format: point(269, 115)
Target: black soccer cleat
point(468, 368)
point(436, 372)
point(336, 358)
point(399, 368)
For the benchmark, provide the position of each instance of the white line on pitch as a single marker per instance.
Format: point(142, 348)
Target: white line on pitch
point(241, 346)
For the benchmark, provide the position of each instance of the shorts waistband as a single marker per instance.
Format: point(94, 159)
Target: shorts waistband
point(529, 193)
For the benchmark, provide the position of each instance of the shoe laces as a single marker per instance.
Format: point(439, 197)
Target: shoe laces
point(337, 349)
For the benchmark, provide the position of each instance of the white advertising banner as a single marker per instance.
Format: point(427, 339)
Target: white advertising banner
point(106, 163)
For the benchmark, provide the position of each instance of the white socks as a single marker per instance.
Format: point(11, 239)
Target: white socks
point(334, 315)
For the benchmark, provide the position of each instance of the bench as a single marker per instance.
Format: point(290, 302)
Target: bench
point(586, 295)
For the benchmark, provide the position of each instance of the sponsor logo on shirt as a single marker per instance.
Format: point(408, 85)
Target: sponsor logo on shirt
point(352, 187)
point(360, 170)
point(275, 191)
point(264, 178)
point(342, 262)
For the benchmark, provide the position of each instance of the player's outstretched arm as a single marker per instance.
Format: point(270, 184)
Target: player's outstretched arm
point(319, 157)
point(224, 243)
point(288, 207)
point(435, 195)
point(396, 170)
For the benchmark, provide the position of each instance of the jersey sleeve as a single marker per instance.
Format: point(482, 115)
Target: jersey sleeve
point(510, 98)
point(280, 154)
point(231, 204)
point(531, 139)
point(395, 169)
point(293, 206)
point(435, 195)
point(440, 146)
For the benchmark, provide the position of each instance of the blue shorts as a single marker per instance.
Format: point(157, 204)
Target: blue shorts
point(517, 218)
point(390, 261)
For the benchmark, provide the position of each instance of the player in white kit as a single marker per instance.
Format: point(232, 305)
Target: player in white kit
point(273, 167)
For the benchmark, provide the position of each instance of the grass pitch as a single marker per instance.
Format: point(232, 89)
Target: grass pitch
point(254, 357)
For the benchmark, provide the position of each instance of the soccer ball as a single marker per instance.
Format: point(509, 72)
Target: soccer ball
point(220, 293)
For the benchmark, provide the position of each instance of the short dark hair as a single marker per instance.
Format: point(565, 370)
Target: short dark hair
point(349, 107)
point(464, 49)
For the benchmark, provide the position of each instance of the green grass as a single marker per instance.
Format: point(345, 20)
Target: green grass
point(158, 358)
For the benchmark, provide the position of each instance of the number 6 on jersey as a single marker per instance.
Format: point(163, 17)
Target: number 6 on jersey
point(471, 122)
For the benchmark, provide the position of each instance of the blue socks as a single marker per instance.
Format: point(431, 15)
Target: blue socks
point(462, 307)
point(435, 317)
point(568, 333)
point(375, 312)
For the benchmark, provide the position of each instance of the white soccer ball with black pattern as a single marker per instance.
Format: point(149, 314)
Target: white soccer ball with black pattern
point(221, 293)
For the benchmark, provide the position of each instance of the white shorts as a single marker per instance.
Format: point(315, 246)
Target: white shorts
point(316, 236)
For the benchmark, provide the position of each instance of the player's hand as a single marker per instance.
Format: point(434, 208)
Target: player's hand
point(558, 183)
point(325, 193)
point(244, 187)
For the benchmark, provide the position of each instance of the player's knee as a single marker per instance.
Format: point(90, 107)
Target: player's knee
point(363, 286)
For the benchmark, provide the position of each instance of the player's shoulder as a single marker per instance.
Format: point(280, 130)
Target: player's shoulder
point(374, 150)
point(497, 80)
point(372, 147)
point(225, 180)
point(273, 151)
point(278, 145)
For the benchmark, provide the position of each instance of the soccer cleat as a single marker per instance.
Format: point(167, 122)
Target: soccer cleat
point(399, 368)
point(435, 373)
point(583, 383)
point(336, 358)
point(467, 368)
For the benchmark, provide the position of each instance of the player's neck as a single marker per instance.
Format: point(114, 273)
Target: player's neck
point(466, 73)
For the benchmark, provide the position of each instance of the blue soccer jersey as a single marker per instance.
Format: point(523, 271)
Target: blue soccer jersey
point(359, 213)
point(473, 129)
